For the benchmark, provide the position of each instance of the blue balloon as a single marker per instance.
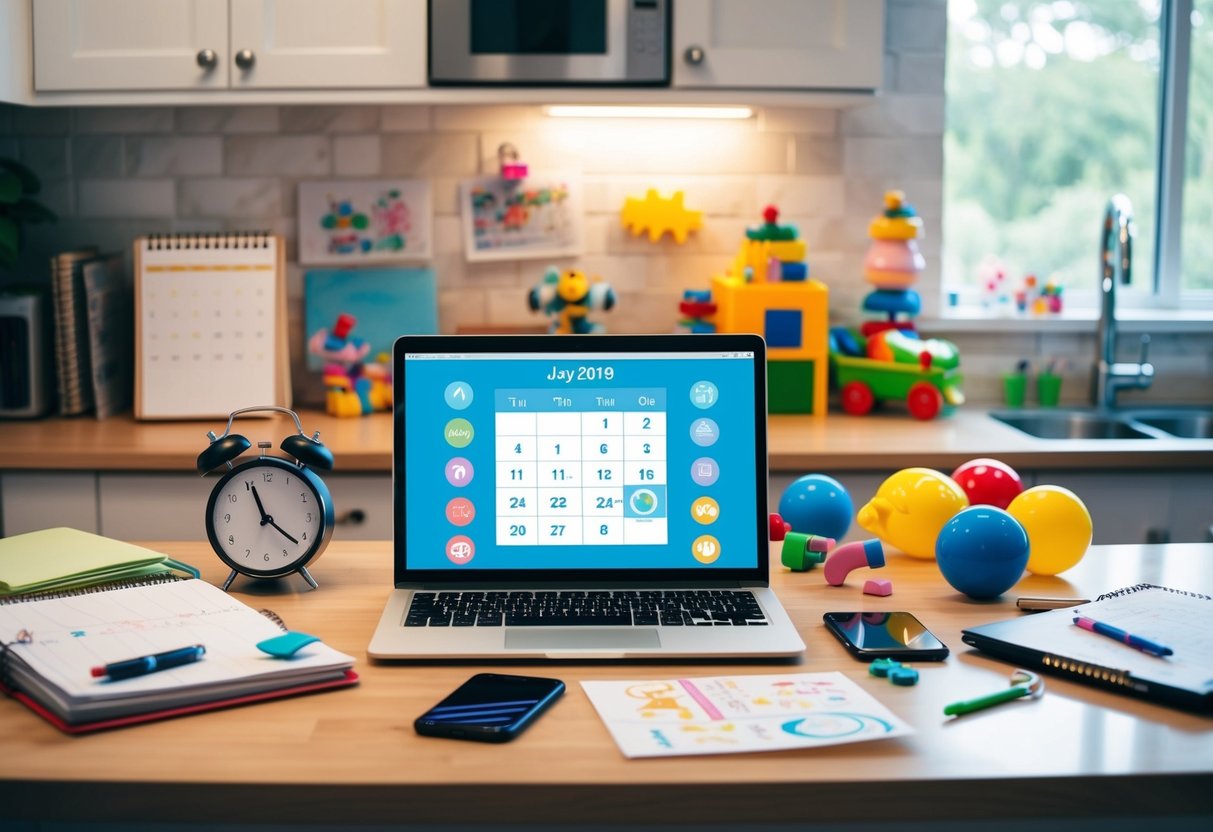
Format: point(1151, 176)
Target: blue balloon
point(817, 504)
point(982, 551)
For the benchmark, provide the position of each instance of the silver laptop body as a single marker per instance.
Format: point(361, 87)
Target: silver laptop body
point(581, 497)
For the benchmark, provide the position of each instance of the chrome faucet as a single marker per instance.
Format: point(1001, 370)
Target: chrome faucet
point(1115, 266)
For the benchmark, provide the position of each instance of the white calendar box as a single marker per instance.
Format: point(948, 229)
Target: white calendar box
point(559, 502)
point(558, 448)
point(602, 502)
point(516, 531)
point(517, 502)
point(644, 448)
point(515, 424)
point(558, 424)
point(556, 474)
point(521, 448)
point(601, 423)
point(559, 531)
point(644, 423)
point(602, 448)
point(638, 532)
point(602, 531)
point(516, 474)
point(644, 473)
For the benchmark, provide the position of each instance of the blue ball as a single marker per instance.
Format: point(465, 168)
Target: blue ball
point(817, 504)
point(982, 551)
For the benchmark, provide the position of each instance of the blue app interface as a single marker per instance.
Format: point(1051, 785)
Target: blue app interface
point(613, 461)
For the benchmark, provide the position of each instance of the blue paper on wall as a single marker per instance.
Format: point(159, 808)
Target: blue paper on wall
point(384, 302)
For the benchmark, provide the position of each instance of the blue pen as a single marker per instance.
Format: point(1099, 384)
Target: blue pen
point(130, 668)
point(1143, 644)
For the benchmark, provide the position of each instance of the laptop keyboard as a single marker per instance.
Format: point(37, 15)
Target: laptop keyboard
point(668, 608)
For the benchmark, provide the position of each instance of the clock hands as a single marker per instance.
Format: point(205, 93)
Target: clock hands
point(267, 520)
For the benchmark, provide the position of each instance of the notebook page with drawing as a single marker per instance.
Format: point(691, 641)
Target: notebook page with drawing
point(581, 496)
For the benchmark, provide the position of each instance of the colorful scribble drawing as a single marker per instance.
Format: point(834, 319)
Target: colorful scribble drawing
point(660, 699)
point(352, 231)
point(521, 218)
point(833, 725)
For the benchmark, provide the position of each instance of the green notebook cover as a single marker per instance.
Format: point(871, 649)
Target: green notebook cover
point(64, 558)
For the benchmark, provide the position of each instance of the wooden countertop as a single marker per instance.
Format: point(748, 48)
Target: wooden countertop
point(350, 756)
point(881, 442)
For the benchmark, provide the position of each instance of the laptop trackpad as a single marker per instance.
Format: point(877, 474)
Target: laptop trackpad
point(579, 638)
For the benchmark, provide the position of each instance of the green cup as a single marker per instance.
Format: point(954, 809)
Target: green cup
point(1015, 389)
point(1048, 389)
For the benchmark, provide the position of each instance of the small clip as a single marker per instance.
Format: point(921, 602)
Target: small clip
point(511, 166)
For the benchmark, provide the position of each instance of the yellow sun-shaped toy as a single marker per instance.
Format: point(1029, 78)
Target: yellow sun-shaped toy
point(658, 215)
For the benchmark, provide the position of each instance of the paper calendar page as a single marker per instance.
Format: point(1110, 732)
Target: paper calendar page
point(210, 325)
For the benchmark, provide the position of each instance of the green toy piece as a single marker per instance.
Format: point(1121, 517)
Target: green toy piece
point(796, 553)
point(790, 386)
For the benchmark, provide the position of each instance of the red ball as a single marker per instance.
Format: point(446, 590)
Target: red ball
point(988, 482)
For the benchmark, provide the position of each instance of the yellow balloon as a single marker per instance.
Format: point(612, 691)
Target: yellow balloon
point(1058, 525)
point(911, 508)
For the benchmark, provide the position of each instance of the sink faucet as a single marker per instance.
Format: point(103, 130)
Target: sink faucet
point(1115, 266)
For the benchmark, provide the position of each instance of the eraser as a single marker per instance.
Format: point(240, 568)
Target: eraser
point(882, 667)
point(878, 586)
point(903, 676)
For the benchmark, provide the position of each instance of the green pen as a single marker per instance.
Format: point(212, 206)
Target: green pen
point(1023, 683)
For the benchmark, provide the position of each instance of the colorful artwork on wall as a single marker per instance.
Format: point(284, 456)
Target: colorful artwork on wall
point(504, 219)
point(364, 221)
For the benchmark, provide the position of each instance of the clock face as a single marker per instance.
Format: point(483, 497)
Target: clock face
point(268, 517)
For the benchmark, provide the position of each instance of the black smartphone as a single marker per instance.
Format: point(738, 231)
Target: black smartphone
point(885, 635)
point(490, 707)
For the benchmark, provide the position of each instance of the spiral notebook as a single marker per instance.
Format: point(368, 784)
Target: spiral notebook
point(51, 645)
point(210, 324)
point(1051, 642)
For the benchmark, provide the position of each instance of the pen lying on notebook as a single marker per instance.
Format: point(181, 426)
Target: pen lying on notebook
point(130, 668)
point(1143, 644)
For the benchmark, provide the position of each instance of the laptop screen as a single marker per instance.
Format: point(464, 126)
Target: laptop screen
point(554, 457)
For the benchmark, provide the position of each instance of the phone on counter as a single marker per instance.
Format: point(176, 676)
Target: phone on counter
point(490, 707)
point(885, 635)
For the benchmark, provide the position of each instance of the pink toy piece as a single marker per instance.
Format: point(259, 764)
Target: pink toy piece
point(861, 553)
point(878, 586)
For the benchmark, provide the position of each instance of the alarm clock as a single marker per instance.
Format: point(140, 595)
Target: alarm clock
point(268, 517)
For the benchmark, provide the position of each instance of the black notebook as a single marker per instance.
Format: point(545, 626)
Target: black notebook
point(1050, 641)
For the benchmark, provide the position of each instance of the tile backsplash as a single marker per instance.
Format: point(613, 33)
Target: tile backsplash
point(114, 173)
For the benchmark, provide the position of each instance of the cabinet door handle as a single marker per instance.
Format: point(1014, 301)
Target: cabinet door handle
point(245, 59)
point(208, 58)
point(694, 55)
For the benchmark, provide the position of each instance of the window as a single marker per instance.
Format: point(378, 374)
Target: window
point(1053, 107)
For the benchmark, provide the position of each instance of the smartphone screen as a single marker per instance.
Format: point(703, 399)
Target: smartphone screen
point(885, 635)
point(490, 707)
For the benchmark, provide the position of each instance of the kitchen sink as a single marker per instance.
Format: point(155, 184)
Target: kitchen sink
point(1074, 423)
point(1189, 424)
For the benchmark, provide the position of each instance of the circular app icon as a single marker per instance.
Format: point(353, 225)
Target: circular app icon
point(459, 471)
point(705, 510)
point(643, 501)
point(705, 548)
point(704, 432)
point(705, 471)
point(458, 395)
point(458, 433)
point(460, 549)
point(704, 394)
point(460, 511)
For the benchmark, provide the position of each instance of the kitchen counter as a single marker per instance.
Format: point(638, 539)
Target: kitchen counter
point(797, 443)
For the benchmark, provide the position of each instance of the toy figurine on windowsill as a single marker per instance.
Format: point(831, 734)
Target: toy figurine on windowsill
point(353, 386)
point(568, 297)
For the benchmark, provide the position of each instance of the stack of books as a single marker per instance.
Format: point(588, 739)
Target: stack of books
point(94, 333)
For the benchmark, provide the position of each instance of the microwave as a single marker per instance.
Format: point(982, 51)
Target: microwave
point(549, 42)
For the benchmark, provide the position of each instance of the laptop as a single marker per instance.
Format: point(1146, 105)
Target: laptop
point(581, 497)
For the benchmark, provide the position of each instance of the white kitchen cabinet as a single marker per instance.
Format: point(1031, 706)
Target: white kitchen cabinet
point(778, 44)
point(139, 45)
point(32, 500)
